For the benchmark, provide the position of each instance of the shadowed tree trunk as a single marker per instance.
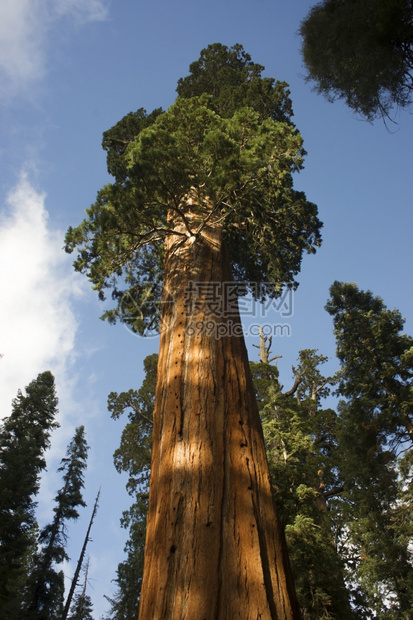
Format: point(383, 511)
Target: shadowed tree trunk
point(214, 547)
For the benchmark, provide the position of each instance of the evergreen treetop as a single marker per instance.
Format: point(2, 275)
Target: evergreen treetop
point(220, 156)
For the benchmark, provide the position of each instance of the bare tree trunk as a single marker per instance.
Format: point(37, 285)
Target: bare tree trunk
point(214, 547)
point(80, 560)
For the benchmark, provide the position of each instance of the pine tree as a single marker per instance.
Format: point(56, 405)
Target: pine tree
point(24, 438)
point(203, 195)
point(46, 601)
point(376, 437)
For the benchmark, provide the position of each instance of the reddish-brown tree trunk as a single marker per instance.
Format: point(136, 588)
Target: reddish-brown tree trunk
point(214, 547)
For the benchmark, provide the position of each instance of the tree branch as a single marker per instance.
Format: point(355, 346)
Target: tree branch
point(292, 391)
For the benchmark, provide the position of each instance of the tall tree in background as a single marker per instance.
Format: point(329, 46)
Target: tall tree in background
point(211, 178)
point(376, 361)
point(361, 52)
point(134, 457)
point(46, 600)
point(301, 439)
point(24, 438)
point(377, 437)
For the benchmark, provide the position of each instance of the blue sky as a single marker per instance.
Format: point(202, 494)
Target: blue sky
point(69, 70)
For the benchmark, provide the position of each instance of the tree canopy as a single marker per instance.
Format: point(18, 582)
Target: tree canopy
point(361, 52)
point(224, 151)
point(376, 358)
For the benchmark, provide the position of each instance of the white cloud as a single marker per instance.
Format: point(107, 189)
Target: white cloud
point(25, 26)
point(22, 33)
point(38, 287)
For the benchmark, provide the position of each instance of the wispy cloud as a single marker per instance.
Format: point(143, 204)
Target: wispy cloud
point(22, 35)
point(25, 26)
point(83, 10)
point(38, 287)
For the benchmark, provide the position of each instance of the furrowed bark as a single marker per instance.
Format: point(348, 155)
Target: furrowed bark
point(214, 547)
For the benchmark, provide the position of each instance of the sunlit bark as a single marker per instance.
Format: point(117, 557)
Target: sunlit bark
point(214, 547)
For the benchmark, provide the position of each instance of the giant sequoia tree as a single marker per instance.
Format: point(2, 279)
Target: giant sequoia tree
point(203, 195)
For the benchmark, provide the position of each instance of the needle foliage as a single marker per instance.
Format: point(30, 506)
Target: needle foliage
point(226, 151)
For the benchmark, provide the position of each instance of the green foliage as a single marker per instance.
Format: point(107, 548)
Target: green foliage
point(234, 81)
point(377, 362)
point(376, 437)
point(313, 386)
point(361, 52)
point(24, 438)
point(301, 440)
point(265, 376)
point(134, 456)
point(116, 140)
point(134, 453)
point(125, 602)
point(232, 166)
point(73, 466)
point(82, 608)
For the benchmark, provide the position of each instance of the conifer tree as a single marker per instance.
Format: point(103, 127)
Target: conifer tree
point(376, 437)
point(304, 480)
point(336, 481)
point(301, 439)
point(204, 195)
point(46, 601)
point(24, 439)
point(376, 359)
